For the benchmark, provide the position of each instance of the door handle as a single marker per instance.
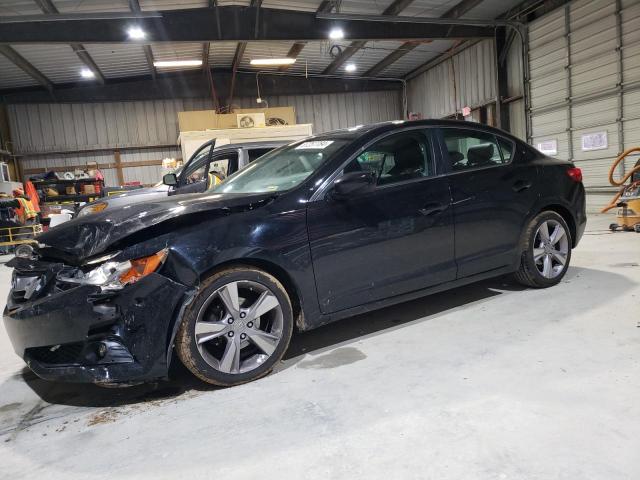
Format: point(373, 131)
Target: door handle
point(521, 186)
point(433, 209)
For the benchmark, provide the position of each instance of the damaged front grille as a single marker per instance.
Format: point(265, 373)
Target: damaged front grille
point(57, 355)
point(31, 278)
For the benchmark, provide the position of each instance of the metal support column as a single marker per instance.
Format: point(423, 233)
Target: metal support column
point(567, 36)
point(502, 85)
point(526, 74)
point(620, 84)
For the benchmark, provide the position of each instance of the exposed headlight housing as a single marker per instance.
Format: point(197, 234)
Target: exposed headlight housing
point(94, 208)
point(115, 275)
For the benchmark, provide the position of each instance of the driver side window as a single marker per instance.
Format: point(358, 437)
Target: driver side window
point(396, 158)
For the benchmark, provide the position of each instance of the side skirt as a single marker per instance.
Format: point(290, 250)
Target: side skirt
point(350, 312)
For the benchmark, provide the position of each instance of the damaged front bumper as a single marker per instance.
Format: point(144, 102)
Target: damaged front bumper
point(82, 334)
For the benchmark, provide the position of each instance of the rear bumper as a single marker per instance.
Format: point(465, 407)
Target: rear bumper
point(81, 335)
point(580, 208)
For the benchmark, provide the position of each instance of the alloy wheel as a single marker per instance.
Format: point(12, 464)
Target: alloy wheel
point(239, 327)
point(550, 249)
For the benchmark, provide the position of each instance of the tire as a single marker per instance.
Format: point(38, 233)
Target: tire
point(613, 227)
point(228, 338)
point(533, 270)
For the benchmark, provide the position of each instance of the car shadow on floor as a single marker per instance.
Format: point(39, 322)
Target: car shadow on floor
point(181, 380)
point(303, 343)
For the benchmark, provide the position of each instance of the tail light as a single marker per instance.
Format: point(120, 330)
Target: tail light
point(575, 174)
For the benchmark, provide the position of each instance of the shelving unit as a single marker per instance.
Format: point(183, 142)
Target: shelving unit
point(77, 183)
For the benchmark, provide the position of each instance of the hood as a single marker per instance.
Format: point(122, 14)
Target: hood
point(87, 236)
point(141, 195)
point(145, 195)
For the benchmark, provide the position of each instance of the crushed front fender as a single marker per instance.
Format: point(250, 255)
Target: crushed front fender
point(84, 335)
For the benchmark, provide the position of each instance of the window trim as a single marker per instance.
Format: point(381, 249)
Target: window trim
point(433, 140)
point(445, 151)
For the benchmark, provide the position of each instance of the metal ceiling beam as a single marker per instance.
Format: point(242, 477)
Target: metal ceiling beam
point(527, 11)
point(237, 59)
point(134, 6)
point(456, 11)
point(194, 25)
point(242, 46)
point(297, 47)
point(206, 48)
point(23, 64)
point(392, 10)
point(48, 7)
point(195, 85)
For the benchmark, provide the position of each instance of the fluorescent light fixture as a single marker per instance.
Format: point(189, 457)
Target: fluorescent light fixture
point(136, 33)
point(177, 63)
point(336, 34)
point(273, 61)
point(350, 67)
point(86, 73)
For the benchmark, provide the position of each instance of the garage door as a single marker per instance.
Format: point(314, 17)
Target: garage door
point(585, 84)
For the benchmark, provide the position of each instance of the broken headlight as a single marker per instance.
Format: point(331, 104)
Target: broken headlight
point(115, 275)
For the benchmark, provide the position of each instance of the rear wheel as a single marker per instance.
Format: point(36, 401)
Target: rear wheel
point(546, 251)
point(237, 328)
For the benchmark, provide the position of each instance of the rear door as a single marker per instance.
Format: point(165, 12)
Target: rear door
point(493, 192)
point(393, 240)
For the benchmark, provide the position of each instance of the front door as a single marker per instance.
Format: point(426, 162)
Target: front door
point(393, 240)
point(206, 170)
point(493, 192)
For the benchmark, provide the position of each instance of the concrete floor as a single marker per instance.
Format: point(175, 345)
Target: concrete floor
point(489, 381)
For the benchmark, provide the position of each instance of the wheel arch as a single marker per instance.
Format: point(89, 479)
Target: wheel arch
point(567, 216)
point(269, 267)
point(272, 269)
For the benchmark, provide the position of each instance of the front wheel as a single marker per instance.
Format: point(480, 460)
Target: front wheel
point(237, 328)
point(546, 251)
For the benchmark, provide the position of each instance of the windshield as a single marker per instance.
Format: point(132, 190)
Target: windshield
point(282, 169)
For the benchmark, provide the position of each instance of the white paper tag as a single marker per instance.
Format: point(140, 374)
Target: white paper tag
point(595, 141)
point(548, 147)
point(314, 145)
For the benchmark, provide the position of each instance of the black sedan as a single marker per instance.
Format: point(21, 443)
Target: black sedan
point(335, 225)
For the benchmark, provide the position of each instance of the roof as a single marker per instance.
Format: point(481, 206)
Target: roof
point(375, 129)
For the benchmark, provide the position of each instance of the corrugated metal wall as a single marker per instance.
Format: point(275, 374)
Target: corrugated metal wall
point(585, 78)
point(68, 127)
point(47, 135)
point(470, 74)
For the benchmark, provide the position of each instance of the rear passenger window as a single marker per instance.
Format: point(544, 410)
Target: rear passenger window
point(469, 149)
point(396, 158)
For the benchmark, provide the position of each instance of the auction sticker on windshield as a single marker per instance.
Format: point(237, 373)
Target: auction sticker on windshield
point(314, 145)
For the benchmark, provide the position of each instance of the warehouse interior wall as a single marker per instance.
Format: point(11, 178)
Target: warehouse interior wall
point(585, 84)
point(58, 135)
point(467, 79)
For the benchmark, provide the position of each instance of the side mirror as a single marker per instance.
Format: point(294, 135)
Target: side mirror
point(170, 179)
point(353, 183)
